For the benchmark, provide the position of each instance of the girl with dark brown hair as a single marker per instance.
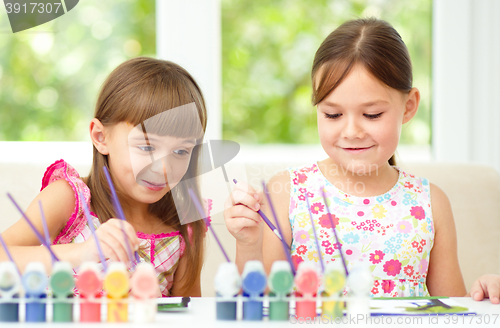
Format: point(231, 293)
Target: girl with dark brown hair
point(150, 118)
point(363, 91)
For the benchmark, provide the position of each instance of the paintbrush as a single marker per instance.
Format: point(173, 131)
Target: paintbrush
point(267, 221)
point(199, 207)
point(121, 216)
point(285, 246)
point(315, 235)
point(334, 231)
point(9, 255)
point(40, 238)
point(92, 229)
point(45, 228)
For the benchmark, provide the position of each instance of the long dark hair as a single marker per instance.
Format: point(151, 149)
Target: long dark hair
point(136, 90)
point(371, 42)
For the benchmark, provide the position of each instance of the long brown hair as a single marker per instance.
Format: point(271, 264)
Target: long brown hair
point(371, 42)
point(135, 91)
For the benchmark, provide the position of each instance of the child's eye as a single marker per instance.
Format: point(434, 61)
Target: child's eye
point(332, 116)
point(181, 152)
point(146, 148)
point(373, 116)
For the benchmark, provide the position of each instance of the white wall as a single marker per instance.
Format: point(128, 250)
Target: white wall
point(466, 81)
point(188, 32)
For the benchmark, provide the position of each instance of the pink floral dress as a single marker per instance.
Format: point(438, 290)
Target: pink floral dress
point(392, 233)
point(163, 250)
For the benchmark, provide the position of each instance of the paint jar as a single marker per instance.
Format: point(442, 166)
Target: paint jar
point(116, 285)
point(227, 285)
point(10, 286)
point(62, 283)
point(307, 282)
point(35, 281)
point(280, 284)
point(144, 288)
point(333, 283)
point(360, 281)
point(89, 284)
point(254, 284)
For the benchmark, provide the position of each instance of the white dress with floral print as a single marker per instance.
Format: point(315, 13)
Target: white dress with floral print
point(392, 233)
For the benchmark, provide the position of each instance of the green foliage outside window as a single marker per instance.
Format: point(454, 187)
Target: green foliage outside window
point(50, 75)
point(268, 49)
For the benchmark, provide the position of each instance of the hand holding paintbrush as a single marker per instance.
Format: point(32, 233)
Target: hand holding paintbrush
point(242, 215)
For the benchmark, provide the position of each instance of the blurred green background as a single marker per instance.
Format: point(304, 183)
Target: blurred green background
point(268, 50)
point(50, 75)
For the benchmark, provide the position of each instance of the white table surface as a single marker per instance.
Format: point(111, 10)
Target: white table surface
point(201, 313)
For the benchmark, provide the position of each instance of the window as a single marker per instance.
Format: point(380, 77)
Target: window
point(50, 75)
point(267, 54)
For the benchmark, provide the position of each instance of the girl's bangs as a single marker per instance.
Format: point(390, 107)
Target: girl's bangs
point(166, 110)
point(328, 77)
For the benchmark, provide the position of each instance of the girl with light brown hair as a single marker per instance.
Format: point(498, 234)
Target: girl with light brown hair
point(149, 121)
point(363, 91)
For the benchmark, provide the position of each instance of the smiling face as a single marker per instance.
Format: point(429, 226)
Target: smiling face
point(359, 122)
point(146, 166)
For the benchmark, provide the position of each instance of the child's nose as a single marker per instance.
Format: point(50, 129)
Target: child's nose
point(161, 166)
point(353, 129)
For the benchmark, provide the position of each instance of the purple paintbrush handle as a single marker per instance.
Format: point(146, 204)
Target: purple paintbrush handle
point(334, 232)
point(198, 206)
point(119, 209)
point(4, 245)
point(92, 229)
point(285, 246)
point(40, 238)
point(315, 235)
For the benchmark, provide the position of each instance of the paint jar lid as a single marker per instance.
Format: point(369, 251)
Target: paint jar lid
point(89, 281)
point(254, 278)
point(116, 282)
point(307, 279)
point(62, 281)
point(251, 266)
point(227, 281)
point(334, 277)
point(144, 283)
point(35, 278)
point(281, 277)
point(10, 282)
point(360, 279)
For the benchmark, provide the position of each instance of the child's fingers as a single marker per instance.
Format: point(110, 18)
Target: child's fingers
point(242, 188)
point(493, 290)
point(113, 248)
point(241, 223)
point(129, 231)
point(132, 236)
point(251, 200)
point(240, 211)
point(109, 252)
point(476, 291)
